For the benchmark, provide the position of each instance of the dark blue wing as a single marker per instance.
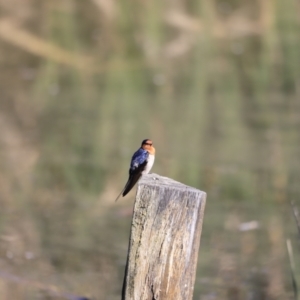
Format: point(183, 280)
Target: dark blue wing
point(138, 158)
point(137, 165)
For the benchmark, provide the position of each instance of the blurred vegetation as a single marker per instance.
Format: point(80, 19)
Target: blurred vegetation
point(215, 85)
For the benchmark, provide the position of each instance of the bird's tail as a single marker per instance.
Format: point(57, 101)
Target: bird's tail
point(119, 195)
point(129, 185)
point(131, 182)
point(122, 190)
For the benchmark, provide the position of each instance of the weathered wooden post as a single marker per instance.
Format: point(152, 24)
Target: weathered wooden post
point(164, 240)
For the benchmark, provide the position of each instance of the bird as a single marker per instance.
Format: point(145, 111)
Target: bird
point(141, 163)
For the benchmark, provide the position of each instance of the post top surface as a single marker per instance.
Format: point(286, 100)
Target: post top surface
point(155, 179)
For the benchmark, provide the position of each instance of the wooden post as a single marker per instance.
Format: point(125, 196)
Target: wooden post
point(164, 240)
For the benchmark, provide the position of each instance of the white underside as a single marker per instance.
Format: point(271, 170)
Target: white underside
point(150, 162)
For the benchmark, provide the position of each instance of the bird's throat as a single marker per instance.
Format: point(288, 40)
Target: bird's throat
point(151, 150)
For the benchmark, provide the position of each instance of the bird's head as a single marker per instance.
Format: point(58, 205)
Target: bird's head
point(148, 145)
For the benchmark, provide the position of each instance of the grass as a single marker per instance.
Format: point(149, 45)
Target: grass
point(215, 86)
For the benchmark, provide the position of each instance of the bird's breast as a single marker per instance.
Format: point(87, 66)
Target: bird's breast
point(150, 162)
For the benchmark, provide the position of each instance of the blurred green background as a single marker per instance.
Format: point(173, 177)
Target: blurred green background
point(214, 83)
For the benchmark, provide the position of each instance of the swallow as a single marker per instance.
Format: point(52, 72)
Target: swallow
point(141, 163)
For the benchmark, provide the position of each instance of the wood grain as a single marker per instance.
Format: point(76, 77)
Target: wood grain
point(164, 241)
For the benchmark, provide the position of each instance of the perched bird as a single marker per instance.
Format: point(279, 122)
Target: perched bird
point(141, 163)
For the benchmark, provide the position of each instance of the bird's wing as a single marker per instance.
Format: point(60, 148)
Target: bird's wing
point(138, 158)
point(137, 165)
point(134, 176)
